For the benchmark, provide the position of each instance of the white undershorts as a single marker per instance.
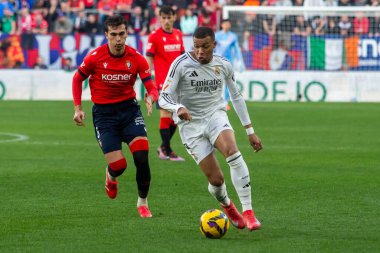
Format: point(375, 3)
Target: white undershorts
point(199, 136)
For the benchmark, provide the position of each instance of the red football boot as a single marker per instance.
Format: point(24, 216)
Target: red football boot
point(250, 220)
point(144, 212)
point(111, 186)
point(233, 214)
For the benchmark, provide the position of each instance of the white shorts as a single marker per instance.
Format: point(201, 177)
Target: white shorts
point(199, 136)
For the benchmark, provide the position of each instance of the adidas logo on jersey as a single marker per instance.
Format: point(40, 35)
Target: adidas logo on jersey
point(193, 74)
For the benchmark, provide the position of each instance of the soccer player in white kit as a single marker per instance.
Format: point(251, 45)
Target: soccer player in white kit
point(193, 92)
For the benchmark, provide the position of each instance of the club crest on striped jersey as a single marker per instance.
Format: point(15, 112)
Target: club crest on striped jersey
point(128, 64)
point(217, 71)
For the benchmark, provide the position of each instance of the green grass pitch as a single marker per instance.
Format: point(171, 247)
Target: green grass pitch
point(315, 185)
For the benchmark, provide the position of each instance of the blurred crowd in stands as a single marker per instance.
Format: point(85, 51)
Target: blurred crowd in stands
point(63, 17)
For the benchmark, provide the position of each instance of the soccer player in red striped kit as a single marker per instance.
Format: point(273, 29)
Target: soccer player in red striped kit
point(113, 69)
point(164, 45)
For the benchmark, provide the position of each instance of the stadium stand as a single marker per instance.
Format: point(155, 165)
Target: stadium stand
point(26, 23)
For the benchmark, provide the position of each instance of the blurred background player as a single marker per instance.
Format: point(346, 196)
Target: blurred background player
point(164, 45)
point(227, 45)
point(203, 130)
point(117, 118)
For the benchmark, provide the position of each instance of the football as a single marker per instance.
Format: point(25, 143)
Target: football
point(214, 224)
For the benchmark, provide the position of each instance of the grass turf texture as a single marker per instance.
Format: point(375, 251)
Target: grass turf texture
point(315, 184)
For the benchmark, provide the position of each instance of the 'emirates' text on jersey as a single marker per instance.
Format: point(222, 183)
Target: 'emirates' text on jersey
point(164, 48)
point(112, 77)
point(199, 87)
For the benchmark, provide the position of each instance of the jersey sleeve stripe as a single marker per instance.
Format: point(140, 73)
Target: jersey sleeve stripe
point(167, 98)
point(83, 74)
point(146, 79)
point(176, 64)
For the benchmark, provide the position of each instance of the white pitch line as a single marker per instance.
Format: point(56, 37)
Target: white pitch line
point(15, 137)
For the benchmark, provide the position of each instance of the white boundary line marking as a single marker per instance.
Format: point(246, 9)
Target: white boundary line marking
point(16, 137)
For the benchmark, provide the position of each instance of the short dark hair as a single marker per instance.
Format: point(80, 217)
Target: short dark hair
point(114, 21)
point(203, 31)
point(225, 20)
point(166, 10)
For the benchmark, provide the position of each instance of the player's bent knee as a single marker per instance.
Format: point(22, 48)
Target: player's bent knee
point(117, 168)
point(233, 157)
point(140, 144)
point(232, 152)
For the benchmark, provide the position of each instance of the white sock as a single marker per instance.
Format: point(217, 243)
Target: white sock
point(240, 179)
point(142, 202)
point(220, 193)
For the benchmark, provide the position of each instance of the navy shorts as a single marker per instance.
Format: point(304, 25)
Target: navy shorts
point(117, 123)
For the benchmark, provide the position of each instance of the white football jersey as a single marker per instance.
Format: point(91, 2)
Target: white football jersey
point(198, 87)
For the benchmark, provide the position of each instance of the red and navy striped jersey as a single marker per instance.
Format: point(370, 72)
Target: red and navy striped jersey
point(164, 48)
point(112, 77)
